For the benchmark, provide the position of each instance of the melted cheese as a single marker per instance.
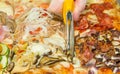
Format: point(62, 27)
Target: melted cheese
point(57, 40)
point(6, 8)
point(36, 15)
point(94, 1)
point(93, 19)
point(110, 12)
point(39, 49)
point(34, 20)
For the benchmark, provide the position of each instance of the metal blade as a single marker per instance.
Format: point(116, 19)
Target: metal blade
point(118, 1)
point(70, 35)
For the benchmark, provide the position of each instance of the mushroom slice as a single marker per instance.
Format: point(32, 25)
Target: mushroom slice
point(110, 63)
point(3, 17)
point(91, 62)
point(10, 66)
point(115, 58)
point(7, 21)
point(50, 60)
point(117, 51)
point(36, 59)
point(116, 69)
point(12, 53)
point(100, 65)
point(115, 43)
point(11, 24)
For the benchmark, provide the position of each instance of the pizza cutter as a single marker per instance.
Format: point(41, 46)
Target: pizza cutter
point(68, 20)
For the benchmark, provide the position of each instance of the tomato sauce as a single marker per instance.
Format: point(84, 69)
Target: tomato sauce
point(105, 21)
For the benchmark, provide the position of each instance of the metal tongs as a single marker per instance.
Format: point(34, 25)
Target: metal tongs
point(70, 35)
point(68, 8)
point(118, 1)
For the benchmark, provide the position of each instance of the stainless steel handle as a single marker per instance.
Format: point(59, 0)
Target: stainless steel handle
point(70, 35)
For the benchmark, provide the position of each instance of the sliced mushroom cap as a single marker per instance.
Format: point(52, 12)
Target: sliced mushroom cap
point(36, 59)
point(11, 55)
point(100, 65)
point(10, 66)
point(4, 20)
point(116, 70)
point(91, 63)
point(117, 51)
point(115, 43)
point(50, 60)
point(110, 63)
point(92, 70)
point(11, 24)
point(3, 17)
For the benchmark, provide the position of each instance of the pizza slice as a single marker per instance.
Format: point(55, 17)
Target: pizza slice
point(97, 36)
point(38, 43)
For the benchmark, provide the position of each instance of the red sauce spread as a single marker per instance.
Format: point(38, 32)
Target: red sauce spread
point(82, 24)
point(105, 21)
point(98, 8)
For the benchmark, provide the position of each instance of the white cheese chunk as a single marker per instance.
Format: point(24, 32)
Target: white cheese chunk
point(57, 40)
point(39, 49)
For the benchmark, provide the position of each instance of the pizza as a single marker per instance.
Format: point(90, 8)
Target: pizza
point(33, 40)
point(97, 36)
